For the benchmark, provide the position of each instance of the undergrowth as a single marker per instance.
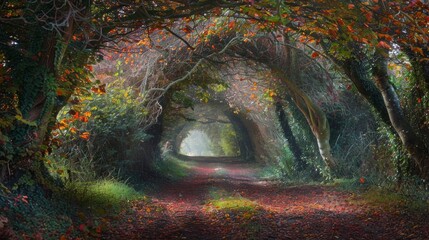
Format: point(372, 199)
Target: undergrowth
point(23, 214)
point(27, 211)
point(171, 167)
point(412, 197)
point(392, 201)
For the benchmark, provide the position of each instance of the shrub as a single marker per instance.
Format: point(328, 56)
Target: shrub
point(101, 135)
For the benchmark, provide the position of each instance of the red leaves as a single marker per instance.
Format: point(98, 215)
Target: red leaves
point(349, 87)
point(21, 198)
point(83, 119)
point(75, 114)
point(231, 25)
point(89, 67)
point(418, 50)
point(82, 228)
point(60, 92)
point(217, 11)
point(85, 135)
point(412, 3)
point(364, 40)
point(333, 33)
point(385, 36)
point(376, 8)
point(187, 29)
point(315, 55)
point(383, 44)
point(368, 16)
point(101, 89)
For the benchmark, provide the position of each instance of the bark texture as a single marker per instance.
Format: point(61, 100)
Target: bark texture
point(415, 146)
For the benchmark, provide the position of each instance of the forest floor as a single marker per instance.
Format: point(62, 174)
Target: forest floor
point(228, 201)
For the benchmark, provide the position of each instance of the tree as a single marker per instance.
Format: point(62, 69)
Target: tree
point(54, 41)
point(46, 48)
point(350, 33)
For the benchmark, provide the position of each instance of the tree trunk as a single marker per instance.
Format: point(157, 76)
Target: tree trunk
point(410, 140)
point(315, 116)
point(316, 119)
point(358, 70)
point(360, 76)
point(287, 133)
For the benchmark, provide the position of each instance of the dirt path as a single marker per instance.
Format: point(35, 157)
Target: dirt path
point(185, 210)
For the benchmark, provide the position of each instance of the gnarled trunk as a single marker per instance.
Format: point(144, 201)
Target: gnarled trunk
point(410, 140)
point(317, 120)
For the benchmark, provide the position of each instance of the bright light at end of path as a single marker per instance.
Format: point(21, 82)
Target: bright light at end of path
point(262, 183)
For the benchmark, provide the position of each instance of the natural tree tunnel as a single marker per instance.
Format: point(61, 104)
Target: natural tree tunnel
point(210, 131)
point(209, 140)
point(192, 119)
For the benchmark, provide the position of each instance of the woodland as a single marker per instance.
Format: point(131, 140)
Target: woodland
point(214, 119)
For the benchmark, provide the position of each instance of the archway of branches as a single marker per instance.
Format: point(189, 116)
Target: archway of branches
point(277, 99)
point(211, 132)
point(283, 101)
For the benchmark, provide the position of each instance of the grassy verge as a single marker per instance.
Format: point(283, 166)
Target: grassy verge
point(386, 197)
point(392, 201)
point(172, 168)
point(101, 196)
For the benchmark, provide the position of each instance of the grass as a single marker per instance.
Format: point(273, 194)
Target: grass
point(220, 199)
point(270, 172)
point(101, 195)
point(172, 168)
point(234, 203)
point(381, 197)
point(348, 184)
point(392, 200)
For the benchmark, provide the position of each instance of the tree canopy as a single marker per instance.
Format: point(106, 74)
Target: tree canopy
point(47, 48)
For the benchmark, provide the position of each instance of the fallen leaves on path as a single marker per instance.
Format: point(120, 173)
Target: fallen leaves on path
point(186, 210)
